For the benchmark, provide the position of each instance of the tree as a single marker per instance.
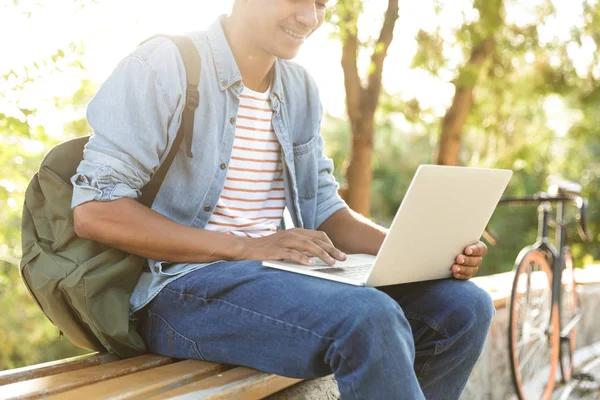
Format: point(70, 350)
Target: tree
point(482, 32)
point(362, 99)
point(511, 125)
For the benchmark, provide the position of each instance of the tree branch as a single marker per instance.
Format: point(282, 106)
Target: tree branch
point(349, 57)
point(456, 116)
point(380, 51)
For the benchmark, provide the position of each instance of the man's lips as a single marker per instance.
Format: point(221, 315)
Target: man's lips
point(294, 34)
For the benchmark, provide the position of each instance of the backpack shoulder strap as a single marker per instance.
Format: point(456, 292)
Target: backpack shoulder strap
point(191, 59)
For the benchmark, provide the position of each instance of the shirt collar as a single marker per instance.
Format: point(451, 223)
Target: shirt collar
point(228, 72)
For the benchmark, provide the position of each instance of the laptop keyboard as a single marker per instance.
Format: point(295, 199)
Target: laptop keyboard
point(355, 271)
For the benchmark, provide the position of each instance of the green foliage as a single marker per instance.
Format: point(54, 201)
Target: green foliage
point(508, 126)
point(26, 336)
point(428, 56)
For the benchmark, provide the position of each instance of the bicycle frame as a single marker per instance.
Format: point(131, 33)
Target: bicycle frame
point(554, 252)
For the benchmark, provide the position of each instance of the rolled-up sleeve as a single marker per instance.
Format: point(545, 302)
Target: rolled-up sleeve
point(328, 199)
point(131, 116)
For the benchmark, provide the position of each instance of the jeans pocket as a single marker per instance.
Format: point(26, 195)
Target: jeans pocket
point(163, 339)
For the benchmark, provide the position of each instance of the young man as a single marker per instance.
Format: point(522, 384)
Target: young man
point(257, 148)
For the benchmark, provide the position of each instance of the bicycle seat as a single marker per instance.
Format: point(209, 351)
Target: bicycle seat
point(564, 188)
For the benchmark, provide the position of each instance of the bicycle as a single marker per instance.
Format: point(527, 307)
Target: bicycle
point(541, 333)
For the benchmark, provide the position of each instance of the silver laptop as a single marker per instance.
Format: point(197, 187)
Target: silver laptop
point(445, 209)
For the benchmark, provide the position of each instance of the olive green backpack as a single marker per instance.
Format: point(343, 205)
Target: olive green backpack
point(81, 285)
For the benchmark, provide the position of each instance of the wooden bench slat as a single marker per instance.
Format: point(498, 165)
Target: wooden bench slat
point(146, 383)
point(239, 383)
point(72, 379)
point(55, 367)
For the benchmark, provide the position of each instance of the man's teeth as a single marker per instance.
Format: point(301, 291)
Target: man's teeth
point(293, 34)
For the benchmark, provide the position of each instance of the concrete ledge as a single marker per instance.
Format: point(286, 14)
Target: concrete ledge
point(315, 389)
point(490, 379)
point(500, 285)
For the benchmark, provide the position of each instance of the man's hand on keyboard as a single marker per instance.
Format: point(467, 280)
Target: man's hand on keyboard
point(297, 245)
point(467, 264)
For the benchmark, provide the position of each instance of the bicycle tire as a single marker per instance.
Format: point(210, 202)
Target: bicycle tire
point(528, 387)
point(569, 304)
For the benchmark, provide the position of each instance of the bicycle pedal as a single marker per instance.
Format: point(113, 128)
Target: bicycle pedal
point(587, 382)
point(583, 376)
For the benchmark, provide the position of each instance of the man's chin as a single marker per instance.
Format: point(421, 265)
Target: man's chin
point(286, 53)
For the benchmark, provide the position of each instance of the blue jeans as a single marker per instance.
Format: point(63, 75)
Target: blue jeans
point(409, 341)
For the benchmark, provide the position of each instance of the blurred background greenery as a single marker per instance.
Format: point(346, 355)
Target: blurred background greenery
point(512, 84)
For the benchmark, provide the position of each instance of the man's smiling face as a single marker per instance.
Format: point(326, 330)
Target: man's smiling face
point(280, 27)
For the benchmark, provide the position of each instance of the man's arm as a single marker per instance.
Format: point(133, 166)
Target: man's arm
point(132, 227)
point(353, 233)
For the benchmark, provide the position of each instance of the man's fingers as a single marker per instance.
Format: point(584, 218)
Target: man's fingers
point(296, 256)
point(469, 261)
point(322, 240)
point(461, 270)
point(479, 249)
point(329, 248)
point(313, 234)
point(462, 277)
point(304, 244)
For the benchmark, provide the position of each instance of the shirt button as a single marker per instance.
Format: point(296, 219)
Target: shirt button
point(156, 269)
point(223, 165)
point(207, 208)
point(232, 120)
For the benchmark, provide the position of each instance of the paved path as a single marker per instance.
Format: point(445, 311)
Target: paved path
point(586, 360)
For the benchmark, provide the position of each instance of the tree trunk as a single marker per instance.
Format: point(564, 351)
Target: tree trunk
point(359, 174)
point(362, 102)
point(452, 125)
point(456, 116)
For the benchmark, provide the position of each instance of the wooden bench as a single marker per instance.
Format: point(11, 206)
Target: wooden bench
point(149, 376)
point(155, 377)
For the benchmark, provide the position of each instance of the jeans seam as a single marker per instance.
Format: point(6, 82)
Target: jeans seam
point(251, 311)
point(352, 370)
point(426, 364)
point(193, 342)
point(437, 328)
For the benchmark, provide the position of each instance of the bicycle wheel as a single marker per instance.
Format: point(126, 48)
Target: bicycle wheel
point(533, 331)
point(570, 308)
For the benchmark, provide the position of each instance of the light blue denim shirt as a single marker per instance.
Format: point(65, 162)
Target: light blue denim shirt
point(135, 116)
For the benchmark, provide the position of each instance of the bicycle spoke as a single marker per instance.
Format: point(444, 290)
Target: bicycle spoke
point(532, 352)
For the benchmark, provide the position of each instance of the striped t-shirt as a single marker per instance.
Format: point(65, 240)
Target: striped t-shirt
point(252, 200)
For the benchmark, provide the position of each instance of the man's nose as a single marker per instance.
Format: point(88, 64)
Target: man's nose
point(307, 15)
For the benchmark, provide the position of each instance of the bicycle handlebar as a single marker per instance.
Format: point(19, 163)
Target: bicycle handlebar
point(580, 202)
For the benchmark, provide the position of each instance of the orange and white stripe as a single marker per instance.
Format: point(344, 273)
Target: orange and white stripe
point(252, 201)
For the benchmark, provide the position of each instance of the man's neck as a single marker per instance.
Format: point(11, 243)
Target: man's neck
point(254, 63)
